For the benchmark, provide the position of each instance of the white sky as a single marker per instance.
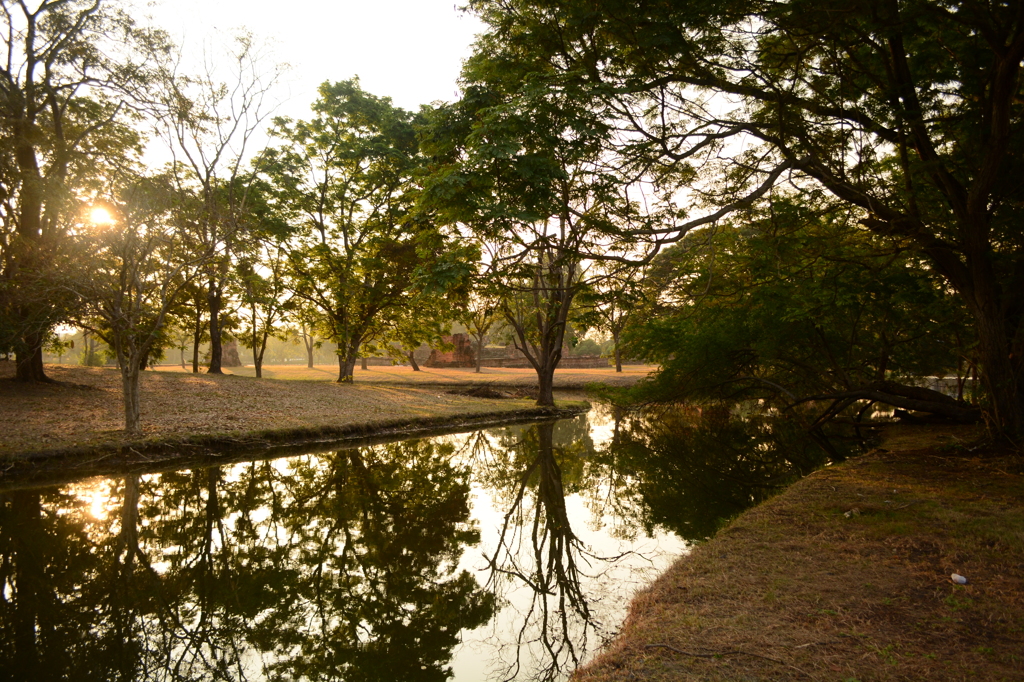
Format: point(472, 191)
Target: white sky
point(409, 50)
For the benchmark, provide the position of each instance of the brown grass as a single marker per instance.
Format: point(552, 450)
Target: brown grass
point(85, 408)
point(400, 374)
point(795, 589)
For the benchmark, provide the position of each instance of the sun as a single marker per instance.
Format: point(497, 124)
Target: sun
point(99, 215)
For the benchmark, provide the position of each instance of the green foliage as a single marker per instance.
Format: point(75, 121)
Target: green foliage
point(587, 347)
point(262, 284)
point(908, 113)
point(358, 253)
point(64, 132)
point(793, 302)
point(518, 162)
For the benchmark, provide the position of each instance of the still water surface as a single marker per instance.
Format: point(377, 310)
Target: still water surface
point(503, 554)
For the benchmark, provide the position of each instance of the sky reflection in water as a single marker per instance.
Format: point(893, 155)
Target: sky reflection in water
point(501, 554)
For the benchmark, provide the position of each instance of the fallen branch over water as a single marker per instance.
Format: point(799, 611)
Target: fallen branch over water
point(914, 398)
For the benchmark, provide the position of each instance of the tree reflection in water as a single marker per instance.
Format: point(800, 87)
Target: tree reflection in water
point(689, 470)
point(348, 565)
point(537, 548)
point(320, 568)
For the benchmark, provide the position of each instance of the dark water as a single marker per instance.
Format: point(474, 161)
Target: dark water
point(496, 555)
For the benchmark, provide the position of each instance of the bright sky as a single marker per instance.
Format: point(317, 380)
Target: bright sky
point(409, 50)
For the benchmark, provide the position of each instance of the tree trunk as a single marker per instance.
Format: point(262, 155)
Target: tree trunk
point(347, 369)
point(544, 357)
point(30, 362)
point(216, 348)
point(1001, 362)
point(307, 341)
point(1001, 373)
point(362, 363)
point(618, 353)
point(479, 353)
point(197, 336)
point(132, 403)
point(546, 384)
point(90, 351)
point(347, 363)
point(257, 358)
point(412, 361)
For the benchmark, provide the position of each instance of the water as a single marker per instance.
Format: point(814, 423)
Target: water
point(502, 554)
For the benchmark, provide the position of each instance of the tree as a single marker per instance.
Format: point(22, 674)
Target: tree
point(310, 326)
point(140, 268)
point(69, 70)
point(795, 303)
point(345, 181)
point(264, 300)
point(610, 305)
point(908, 112)
point(521, 165)
point(261, 277)
point(479, 317)
point(194, 309)
point(209, 125)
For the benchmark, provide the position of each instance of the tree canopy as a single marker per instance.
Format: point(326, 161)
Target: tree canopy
point(794, 303)
point(799, 190)
point(909, 113)
point(344, 180)
point(69, 73)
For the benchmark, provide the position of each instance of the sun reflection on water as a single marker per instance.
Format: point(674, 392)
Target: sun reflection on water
point(94, 498)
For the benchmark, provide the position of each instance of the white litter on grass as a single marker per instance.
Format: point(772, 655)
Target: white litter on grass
point(958, 579)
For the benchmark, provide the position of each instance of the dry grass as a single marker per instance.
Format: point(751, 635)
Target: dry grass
point(794, 589)
point(85, 408)
point(400, 374)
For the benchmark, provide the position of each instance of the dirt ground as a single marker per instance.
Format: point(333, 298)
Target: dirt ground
point(847, 576)
point(84, 408)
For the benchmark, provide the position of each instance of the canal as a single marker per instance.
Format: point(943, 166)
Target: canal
point(502, 554)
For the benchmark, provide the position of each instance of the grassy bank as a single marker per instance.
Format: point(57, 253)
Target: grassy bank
point(84, 409)
point(846, 576)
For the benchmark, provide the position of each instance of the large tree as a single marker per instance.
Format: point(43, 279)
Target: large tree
point(521, 166)
point(910, 112)
point(209, 121)
point(141, 265)
point(345, 180)
point(69, 68)
point(794, 303)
